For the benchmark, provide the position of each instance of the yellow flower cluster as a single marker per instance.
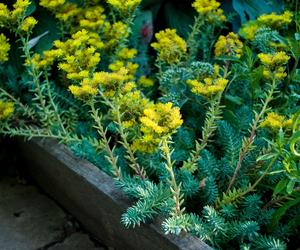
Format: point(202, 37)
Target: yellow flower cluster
point(83, 91)
point(229, 45)
point(52, 4)
point(132, 105)
point(16, 16)
point(67, 12)
point(275, 121)
point(124, 6)
point(210, 9)
point(249, 29)
point(114, 33)
point(209, 86)
point(131, 67)
point(123, 61)
point(80, 55)
point(92, 18)
point(127, 54)
point(63, 10)
point(28, 24)
point(171, 47)
point(4, 48)
point(48, 58)
point(145, 82)
point(6, 109)
point(112, 84)
point(273, 64)
point(20, 7)
point(4, 14)
point(158, 121)
point(272, 20)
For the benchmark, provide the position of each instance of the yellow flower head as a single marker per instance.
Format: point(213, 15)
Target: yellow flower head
point(205, 6)
point(249, 29)
point(77, 54)
point(170, 46)
point(67, 12)
point(128, 87)
point(274, 60)
point(161, 118)
point(4, 14)
point(208, 87)
point(274, 20)
point(64, 11)
point(6, 109)
point(93, 18)
point(273, 64)
point(210, 9)
point(275, 121)
point(124, 6)
point(145, 82)
point(4, 48)
point(132, 105)
point(229, 45)
point(146, 144)
point(48, 58)
point(28, 23)
point(127, 54)
point(117, 65)
point(157, 121)
point(20, 7)
point(83, 91)
point(113, 83)
point(114, 33)
point(52, 4)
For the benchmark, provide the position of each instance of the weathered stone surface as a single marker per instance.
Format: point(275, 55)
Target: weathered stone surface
point(76, 241)
point(29, 220)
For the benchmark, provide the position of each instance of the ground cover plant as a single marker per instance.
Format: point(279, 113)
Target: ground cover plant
point(200, 127)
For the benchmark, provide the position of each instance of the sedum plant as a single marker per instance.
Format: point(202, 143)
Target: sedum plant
point(205, 136)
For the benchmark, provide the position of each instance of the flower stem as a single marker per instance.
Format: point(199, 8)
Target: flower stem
point(175, 189)
point(212, 116)
point(248, 141)
point(191, 41)
point(104, 141)
point(54, 106)
point(130, 155)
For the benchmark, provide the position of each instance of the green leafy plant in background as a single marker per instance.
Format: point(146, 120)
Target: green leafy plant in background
point(200, 128)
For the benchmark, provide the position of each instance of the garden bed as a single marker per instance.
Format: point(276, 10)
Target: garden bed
point(91, 196)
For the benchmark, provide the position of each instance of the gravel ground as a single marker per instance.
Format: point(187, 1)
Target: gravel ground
point(30, 220)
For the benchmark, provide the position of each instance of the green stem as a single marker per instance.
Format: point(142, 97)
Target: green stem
point(212, 116)
point(130, 155)
point(35, 79)
point(133, 161)
point(104, 141)
point(175, 189)
point(248, 141)
point(36, 133)
point(252, 187)
point(191, 41)
point(54, 106)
